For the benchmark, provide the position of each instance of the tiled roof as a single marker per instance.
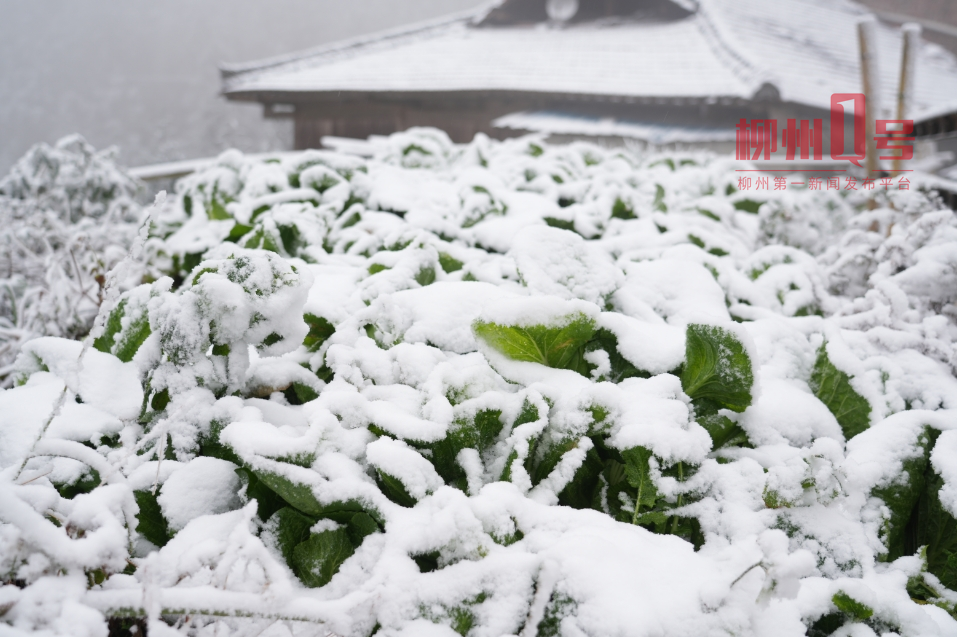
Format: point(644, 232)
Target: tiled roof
point(728, 49)
point(809, 50)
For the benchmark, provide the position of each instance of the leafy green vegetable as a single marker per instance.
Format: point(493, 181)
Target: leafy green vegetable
point(621, 367)
point(449, 264)
point(238, 231)
point(902, 496)
point(748, 205)
point(425, 276)
point(459, 618)
point(217, 209)
point(558, 608)
point(300, 394)
point(150, 521)
point(291, 238)
point(833, 388)
point(638, 474)
point(724, 432)
point(936, 529)
point(561, 224)
point(359, 526)
point(616, 490)
point(696, 240)
point(267, 501)
point(210, 445)
point(394, 489)
point(160, 400)
point(479, 432)
point(509, 538)
point(850, 606)
point(427, 562)
point(659, 202)
point(113, 326)
point(292, 529)
point(548, 457)
point(827, 625)
point(318, 558)
point(123, 343)
point(298, 495)
point(580, 491)
point(621, 210)
point(507, 471)
point(561, 346)
point(88, 481)
point(918, 519)
point(717, 371)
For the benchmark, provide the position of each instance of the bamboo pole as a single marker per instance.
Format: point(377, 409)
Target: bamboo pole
point(870, 76)
point(910, 38)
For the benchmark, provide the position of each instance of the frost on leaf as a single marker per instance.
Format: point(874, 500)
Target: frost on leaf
point(318, 558)
point(833, 388)
point(717, 372)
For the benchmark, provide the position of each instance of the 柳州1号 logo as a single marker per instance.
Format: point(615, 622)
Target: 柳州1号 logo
point(759, 139)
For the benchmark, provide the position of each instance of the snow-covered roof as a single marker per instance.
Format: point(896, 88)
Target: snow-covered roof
point(807, 49)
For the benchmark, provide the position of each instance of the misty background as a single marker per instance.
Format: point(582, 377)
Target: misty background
point(143, 74)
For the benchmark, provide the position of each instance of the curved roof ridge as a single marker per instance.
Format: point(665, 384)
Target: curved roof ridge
point(720, 42)
point(230, 71)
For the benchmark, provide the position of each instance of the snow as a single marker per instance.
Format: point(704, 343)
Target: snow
point(101, 380)
point(566, 124)
point(395, 458)
point(404, 255)
point(200, 487)
point(654, 347)
point(943, 459)
point(20, 420)
point(679, 290)
point(441, 314)
point(787, 412)
point(553, 261)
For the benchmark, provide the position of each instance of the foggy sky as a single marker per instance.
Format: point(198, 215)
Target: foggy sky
point(142, 74)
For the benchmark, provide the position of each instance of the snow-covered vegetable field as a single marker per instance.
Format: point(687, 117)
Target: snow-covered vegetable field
point(497, 389)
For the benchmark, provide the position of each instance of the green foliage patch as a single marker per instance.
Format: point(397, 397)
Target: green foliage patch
point(833, 388)
point(561, 346)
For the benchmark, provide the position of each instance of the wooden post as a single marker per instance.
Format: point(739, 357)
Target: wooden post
point(870, 76)
point(910, 39)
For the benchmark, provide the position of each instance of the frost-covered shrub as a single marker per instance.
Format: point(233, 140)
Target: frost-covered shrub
point(498, 389)
point(68, 214)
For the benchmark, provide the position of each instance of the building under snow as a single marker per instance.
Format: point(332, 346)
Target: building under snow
point(663, 71)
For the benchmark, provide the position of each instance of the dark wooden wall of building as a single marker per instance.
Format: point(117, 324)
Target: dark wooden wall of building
point(462, 115)
point(360, 117)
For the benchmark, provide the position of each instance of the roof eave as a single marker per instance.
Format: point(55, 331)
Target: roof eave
point(229, 71)
point(268, 96)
